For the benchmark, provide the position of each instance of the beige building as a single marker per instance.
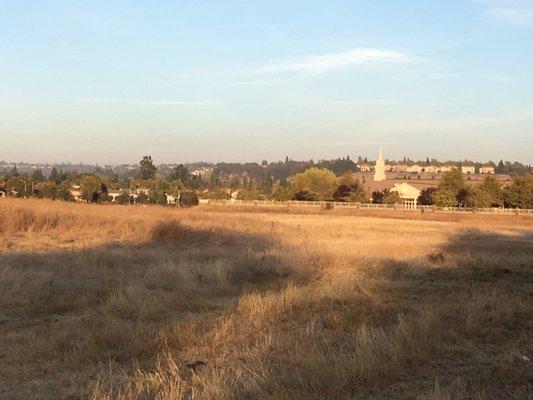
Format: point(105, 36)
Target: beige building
point(468, 169)
point(365, 167)
point(415, 168)
point(486, 169)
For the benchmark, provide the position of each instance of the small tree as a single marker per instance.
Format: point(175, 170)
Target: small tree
point(281, 193)
point(320, 183)
point(426, 196)
point(148, 169)
point(179, 173)
point(90, 188)
point(451, 189)
point(37, 176)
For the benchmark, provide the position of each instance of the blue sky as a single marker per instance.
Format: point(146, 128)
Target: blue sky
point(110, 81)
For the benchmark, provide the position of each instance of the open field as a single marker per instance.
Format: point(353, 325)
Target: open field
point(128, 302)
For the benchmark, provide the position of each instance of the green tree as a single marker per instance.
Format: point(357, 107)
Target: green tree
point(179, 173)
point(90, 188)
point(148, 169)
point(267, 183)
point(450, 190)
point(57, 176)
point(385, 196)
point(62, 192)
point(319, 183)
point(37, 176)
point(488, 194)
point(520, 193)
point(426, 196)
point(354, 192)
point(282, 193)
point(493, 190)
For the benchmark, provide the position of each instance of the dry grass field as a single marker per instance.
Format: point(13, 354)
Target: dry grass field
point(127, 302)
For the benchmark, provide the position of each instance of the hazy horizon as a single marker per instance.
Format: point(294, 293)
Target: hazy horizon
point(229, 81)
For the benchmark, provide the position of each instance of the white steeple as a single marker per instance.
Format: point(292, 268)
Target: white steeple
point(379, 170)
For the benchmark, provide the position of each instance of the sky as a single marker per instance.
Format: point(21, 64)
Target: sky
point(110, 81)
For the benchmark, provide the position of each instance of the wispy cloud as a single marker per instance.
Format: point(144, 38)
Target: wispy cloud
point(497, 78)
point(164, 103)
point(317, 64)
point(512, 15)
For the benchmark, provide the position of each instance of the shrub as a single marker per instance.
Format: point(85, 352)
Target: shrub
point(142, 198)
point(157, 197)
point(282, 194)
point(188, 199)
point(385, 196)
point(123, 199)
point(304, 195)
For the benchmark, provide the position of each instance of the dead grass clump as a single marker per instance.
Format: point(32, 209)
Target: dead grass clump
point(110, 337)
point(174, 231)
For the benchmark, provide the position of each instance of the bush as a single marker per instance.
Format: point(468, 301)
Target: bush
point(188, 199)
point(157, 197)
point(385, 196)
point(282, 194)
point(219, 195)
point(124, 199)
point(426, 196)
point(350, 192)
point(304, 195)
point(141, 199)
point(249, 194)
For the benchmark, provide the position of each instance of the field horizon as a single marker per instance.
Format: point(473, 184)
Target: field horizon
point(124, 302)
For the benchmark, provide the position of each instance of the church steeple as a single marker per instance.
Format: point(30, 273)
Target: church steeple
point(379, 170)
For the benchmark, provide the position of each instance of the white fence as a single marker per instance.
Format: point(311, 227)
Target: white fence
point(369, 206)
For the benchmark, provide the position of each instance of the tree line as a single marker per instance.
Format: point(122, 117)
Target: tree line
point(288, 180)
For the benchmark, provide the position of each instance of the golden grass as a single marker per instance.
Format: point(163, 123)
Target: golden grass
point(128, 302)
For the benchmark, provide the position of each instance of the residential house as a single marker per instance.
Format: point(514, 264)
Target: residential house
point(431, 168)
point(446, 168)
point(365, 167)
point(468, 169)
point(415, 168)
point(486, 169)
